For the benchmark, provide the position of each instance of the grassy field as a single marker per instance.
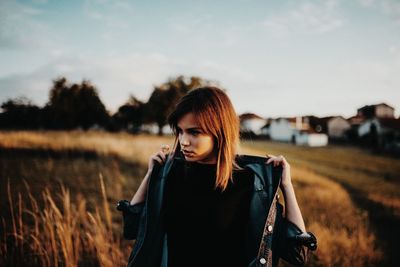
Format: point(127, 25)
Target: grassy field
point(63, 187)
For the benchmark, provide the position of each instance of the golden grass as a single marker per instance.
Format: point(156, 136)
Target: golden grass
point(135, 148)
point(343, 231)
point(64, 234)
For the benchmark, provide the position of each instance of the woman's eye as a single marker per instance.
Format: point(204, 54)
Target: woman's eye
point(194, 132)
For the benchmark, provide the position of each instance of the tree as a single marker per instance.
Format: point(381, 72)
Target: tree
point(130, 115)
point(164, 98)
point(20, 113)
point(76, 105)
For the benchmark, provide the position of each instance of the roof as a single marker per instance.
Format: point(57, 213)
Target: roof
point(357, 119)
point(380, 104)
point(249, 116)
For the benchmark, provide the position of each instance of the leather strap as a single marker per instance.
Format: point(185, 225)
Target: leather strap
point(264, 256)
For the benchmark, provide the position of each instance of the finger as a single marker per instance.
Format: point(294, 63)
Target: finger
point(270, 158)
point(157, 158)
point(161, 155)
point(164, 148)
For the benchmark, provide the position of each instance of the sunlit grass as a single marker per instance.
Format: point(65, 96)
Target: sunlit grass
point(320, 176)
point(60, 231)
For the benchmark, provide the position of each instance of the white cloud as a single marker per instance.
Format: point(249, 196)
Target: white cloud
point(227, 71)
point(113, 14)
point(189, 24)
point(118, 75)
point(307, 18)
point(20, 28)
point(389, 7)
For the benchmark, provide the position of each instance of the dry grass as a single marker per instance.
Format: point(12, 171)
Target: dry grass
point(319, 175)
point(60, 233)
point(131, 148)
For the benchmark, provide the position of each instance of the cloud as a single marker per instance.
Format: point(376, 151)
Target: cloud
point(112, 14)
point(20, 28)
point(118, 75)
point(389, 7)
point(115, 77)
point(307, 18)
point(190, 24)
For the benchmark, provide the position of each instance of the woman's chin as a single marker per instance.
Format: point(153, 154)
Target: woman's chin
point(191, 159)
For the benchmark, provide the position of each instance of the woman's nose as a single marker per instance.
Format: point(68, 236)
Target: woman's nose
point(184, 140)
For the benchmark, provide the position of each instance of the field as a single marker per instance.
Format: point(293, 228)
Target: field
point(58, 192)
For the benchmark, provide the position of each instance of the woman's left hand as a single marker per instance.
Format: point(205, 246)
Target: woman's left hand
point(280, 160)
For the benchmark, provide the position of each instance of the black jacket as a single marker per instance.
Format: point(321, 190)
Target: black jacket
point(143, 221)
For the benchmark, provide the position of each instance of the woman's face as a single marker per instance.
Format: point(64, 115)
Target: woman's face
point(196, 145)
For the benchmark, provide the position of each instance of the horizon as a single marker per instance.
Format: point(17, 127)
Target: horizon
point(275, 59)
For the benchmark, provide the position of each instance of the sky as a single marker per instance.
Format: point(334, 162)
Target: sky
point(275, 58)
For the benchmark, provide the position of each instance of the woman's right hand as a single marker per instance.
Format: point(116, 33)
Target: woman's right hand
point(159, 157)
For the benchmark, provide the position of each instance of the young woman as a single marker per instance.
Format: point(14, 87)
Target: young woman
point(205, 205)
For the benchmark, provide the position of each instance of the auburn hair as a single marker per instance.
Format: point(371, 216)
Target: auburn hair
point(216, 116)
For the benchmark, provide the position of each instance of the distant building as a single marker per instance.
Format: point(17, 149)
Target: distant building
point(152, 128)
point(311, 138)
point(251, 123)
point(336, 127)
point(296, 130)
point(381, 110)
point(381, 133)
point(380, 126)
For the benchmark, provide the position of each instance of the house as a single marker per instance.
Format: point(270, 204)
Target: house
point(296, 130)
point(251, 123)
point(152, 128)
point(381, 133)
point(336, 127)
point(311, 138)
point(381, 110)
point(379, 126)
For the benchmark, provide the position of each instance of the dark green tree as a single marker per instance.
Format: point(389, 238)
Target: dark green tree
point(130, 115)
point(73, 106)
point(20, 113)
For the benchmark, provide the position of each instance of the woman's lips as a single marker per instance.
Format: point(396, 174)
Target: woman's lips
point(188, 153)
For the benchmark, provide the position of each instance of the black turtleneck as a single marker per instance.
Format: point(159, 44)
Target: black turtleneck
point(206, 227)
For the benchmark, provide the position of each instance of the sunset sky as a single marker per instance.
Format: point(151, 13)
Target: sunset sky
point(274, 58)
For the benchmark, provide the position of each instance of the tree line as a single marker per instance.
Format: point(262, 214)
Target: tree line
point(78, 106)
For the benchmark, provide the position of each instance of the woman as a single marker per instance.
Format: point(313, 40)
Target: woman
point(204, 205)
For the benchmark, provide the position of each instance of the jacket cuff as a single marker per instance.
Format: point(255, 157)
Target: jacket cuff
point(293, 249)
point(296, 235)
point(131, 217)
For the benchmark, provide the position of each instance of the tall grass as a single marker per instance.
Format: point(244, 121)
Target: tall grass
point(59, 232)
point(73, 225)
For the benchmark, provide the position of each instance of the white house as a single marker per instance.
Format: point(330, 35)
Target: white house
point(380, 126)
point(310, 138)
point(251, 123)
point(296, 130)
point(152, 128)
point(337, 127)
point(282, 129)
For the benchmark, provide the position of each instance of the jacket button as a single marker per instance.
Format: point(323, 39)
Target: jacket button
point(263, 261)
point(269, 228)
point(278, 196)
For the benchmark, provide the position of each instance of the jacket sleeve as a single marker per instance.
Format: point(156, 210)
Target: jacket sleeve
point(131, 218)
point(294, 245)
